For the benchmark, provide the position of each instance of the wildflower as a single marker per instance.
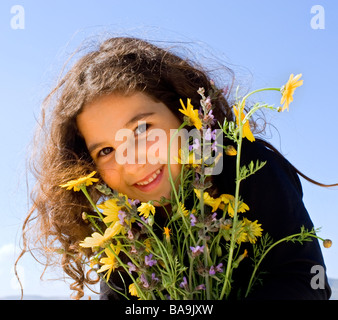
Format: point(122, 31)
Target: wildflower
point(246, 126)
point(133, 290)
point(191, 114)
point(148, 260)
point(132, 267)
point(98, 240)
point(144, 281)
point(193, 220)
point(207, 199)
point(200, 287)
point(327, 243)
point(130, 235)
point(219, 267)
point(188, 159)
point(184, 283)
point(240, 258)
point(212, 271)
point(145, 209)
point(121, 216)
point(111, 210)
point(76, 185)
point(210, 135)
point(167, 232)
point(252, 230)
point(195, 145)
point(110, 262)
point(196, 251)
point(147, 244)
point(154, 278)
point(230, 151)
point(184, 210)
point(288, 90)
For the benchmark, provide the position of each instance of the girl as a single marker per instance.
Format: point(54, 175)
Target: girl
point(131, 84)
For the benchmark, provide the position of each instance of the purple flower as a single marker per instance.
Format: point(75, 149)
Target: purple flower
point(219, 267)
point(148, 261)
point(144, 281)
point(195, 145)
point(193, 220)
point(131, 267)
point(133, 202)
point(154, 278)
point(210, 135)
point(130, 235)
point(214, 216)
point(212, 270)
point(184, 283)
point(196, 251)
point(121, 216)
point(200, 287)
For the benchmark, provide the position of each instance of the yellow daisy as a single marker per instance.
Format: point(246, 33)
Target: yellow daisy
point(99, 240)
point(289, 89)
point(167, 232)
point(191, 114)
point(145, 208)
point(184, 210)
point(246, 126)
point(77, 184)
point(110, 263)
point(110, 210)
point(209, 200)
point(133, 290)
point(252, 229)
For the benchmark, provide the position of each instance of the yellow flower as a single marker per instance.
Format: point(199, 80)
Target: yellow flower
point(191, 114)
point(133, 290)
point(147, 244)
point(110, 210)
point(167, 232)
point(98, 240)
point(230, 150)
point(241, 208)
point(246, 126)
point(110, 263)
point(188, 159)
point(81, 182)
point(289, 89)
point(208, 200)
point(184, 210)
point(252, 229)
point(145, 209)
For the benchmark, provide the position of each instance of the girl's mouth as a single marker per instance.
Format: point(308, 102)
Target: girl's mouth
point(151, 181)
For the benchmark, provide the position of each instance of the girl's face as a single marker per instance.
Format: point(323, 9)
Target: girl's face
point(128, 139)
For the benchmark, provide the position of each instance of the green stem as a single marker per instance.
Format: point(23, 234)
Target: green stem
point(85, 192)
point(174, 187)
point(235, 217)
point(288, 238)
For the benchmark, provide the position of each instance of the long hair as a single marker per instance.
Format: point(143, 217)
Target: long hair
point(54, 226)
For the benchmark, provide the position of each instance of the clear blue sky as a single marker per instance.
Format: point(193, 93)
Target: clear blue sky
point(263, 41)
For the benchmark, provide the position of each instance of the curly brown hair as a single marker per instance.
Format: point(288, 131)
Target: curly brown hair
point(120, 65)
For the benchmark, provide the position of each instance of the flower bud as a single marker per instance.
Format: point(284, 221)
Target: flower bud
point(230, 151)
point(327, 243)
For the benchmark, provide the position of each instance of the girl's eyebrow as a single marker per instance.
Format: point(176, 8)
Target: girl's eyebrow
point(138, 117)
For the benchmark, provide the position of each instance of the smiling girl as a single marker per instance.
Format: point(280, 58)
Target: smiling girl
point(130, 84)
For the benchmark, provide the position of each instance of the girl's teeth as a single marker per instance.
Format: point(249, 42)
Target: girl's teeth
point(151, 179)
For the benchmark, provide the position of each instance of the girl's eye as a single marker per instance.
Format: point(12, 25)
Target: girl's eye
point(105, 151)
point(142, 128)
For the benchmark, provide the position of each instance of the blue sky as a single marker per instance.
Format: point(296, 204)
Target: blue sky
point(262, 41)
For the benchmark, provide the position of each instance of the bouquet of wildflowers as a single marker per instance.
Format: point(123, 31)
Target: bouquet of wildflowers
point(194, 254)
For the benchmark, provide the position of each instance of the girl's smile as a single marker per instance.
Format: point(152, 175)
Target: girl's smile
point(101, 123)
